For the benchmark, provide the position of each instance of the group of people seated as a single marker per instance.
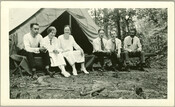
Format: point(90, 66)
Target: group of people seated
point(54, 50)
point(112, 49)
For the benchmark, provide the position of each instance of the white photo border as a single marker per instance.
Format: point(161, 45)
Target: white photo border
point(6, 101)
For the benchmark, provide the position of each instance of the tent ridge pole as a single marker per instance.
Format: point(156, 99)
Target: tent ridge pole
point(70, 21)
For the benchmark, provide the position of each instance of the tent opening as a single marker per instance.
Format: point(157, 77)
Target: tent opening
point(76, 31)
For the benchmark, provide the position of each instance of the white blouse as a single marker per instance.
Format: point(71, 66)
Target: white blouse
point(50, 44)
point(67, 44)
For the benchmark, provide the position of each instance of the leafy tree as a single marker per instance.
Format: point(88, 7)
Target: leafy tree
point(151, 25)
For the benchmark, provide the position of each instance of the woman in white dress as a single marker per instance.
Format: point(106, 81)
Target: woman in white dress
point(50, 42)
point(67, 43)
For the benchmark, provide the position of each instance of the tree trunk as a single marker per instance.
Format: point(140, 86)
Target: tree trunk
point(116, 11)
point(105, 21)
point(95, 12)
point(127, 25)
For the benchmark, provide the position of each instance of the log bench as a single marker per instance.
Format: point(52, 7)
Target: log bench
point(134, 60)
point(21, 63)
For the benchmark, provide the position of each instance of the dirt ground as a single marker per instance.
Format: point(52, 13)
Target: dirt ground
point(96, 85)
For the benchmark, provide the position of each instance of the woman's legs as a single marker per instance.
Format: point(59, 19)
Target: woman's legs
point(83, 68)
point(63, 71)
point(75, 57)
point(74, 70)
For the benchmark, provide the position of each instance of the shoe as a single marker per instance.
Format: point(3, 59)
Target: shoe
point(74, 72)
point(85, 71)
point(141, 69)
point(33, 73)
point(114, 69)
point(52, 74)
point(47, 72)
point(120, 69)
point(35, 76)
point(103, 69)
point(100, 69)
point(66, 74)
point(128, 69)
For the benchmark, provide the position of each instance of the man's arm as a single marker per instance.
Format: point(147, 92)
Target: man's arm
point(119, 47)
point(95, 46)
point(45, 44)
point(139, 45)
point(108, 45)
point(105, 45)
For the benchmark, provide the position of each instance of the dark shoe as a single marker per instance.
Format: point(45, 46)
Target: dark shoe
point(35, 76)
point(128, 69)
point(103, 69)
point(47, 72)
point(114, 69)
point(34, 73)
point(121, 69)
point(52, 74)
point(100, 69)
point(141, 69)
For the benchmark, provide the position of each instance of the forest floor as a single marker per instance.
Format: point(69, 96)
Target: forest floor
point(96, 85)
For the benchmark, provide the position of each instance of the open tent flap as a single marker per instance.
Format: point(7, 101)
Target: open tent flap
point(76, 31)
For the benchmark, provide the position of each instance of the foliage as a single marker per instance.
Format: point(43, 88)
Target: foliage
point(151, 25)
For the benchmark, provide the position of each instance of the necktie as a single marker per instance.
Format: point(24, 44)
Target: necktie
point(114, 44)
point(50, 41)
point(102, 44)
point(132, 40)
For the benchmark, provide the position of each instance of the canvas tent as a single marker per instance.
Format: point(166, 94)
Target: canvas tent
point(83, 27)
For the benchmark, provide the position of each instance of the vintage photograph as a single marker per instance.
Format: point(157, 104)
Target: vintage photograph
point(76, 53)
point(88, 53)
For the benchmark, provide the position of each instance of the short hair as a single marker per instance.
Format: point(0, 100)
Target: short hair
point(101, 30)
point(113, 30)
point(50, 29)
point(67, 26)
point(32, 24)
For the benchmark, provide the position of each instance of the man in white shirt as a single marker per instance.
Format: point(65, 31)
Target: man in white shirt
point(133, 48)
point(114, 47)
point(32, 42)
point(99, 47)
